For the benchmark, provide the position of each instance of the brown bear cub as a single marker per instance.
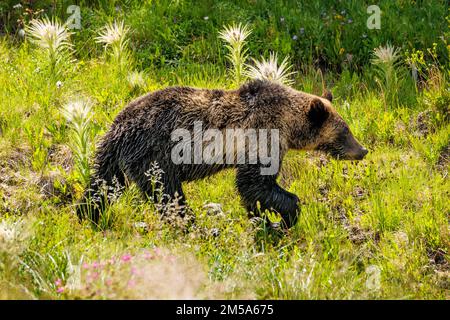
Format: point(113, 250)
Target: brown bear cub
point(142, 134)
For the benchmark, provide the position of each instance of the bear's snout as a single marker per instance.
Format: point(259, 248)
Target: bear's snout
point(353, 149)
point(360, 154)
point(356, 152)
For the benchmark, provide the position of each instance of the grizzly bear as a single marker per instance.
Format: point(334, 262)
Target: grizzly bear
point(141, 135)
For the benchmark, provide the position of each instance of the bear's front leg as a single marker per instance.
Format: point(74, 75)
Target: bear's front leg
point(254, 187)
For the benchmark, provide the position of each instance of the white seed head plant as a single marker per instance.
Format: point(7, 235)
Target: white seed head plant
point(114, 37)
point(78, 115)
point(235, 37)
point(270, 70)
point(53, 40)
point(136, 79)
point(386, 55)
point(387, 60)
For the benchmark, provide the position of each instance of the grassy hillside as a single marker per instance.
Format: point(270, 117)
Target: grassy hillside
point(377, 229)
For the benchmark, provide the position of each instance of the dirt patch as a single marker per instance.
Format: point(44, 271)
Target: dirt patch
point(444, 158)
point(61, 155)
point(422, 123)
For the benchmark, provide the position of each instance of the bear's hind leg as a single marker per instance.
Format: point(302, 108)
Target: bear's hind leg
point(105, 181)
point(163, 188)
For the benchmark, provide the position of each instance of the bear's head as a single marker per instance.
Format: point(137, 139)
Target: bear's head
point(325, 130)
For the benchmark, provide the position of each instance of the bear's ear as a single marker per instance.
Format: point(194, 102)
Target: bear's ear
point(327, 95)
point(317, 113)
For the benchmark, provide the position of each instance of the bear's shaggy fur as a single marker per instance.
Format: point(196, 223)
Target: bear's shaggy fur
point(141, 134)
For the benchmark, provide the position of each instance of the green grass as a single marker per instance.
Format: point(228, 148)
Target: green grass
point(373, 229)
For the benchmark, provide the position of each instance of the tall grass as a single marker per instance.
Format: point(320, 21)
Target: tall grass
point(373, 229)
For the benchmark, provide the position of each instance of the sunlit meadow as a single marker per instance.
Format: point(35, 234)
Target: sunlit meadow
point(375, 229)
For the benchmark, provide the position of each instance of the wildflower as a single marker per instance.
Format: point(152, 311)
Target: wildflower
point(294, 37)
point(270, 70)
point(94, 275)
point(126, 257)
point(364, 35)
point(136, 79)
point(50, 35)
point(21, 33)
point(77, 110)
point(346, 105)
point(17, 6)
point(302, 31)
point(235, 34)
point(343, 12)
point(282, 19)
point(60, 290)
point(58, 282)
point(349, 57)
point(148, 255)
point(349, 21)
point(205, 18)
point(341, 50)
point(114, 33)
point(387, 54)
point(8, 231)
point(58, 84)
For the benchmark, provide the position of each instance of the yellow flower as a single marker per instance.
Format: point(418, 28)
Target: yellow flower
point(341, 51)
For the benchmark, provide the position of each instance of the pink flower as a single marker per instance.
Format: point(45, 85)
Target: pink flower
point(58, 282)
point(147, 255)
point(60, 290)
point(94, 275)
point(126, 257)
